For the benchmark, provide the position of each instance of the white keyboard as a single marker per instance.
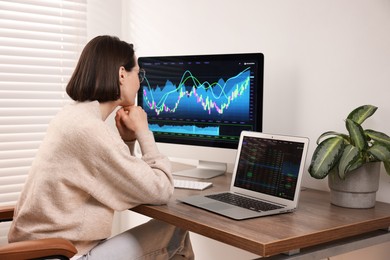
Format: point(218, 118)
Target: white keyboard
point(192, 185)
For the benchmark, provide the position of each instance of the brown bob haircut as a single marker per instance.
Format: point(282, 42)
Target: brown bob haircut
point(96, 76)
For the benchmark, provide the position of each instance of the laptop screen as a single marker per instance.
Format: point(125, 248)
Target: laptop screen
point(269, 166)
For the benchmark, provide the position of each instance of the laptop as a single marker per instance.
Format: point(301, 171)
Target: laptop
point(266, 178)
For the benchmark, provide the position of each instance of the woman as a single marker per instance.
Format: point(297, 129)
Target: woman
point(84, 171)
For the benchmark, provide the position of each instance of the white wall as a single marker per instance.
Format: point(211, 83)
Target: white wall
point(322, 59)
point(104, 18)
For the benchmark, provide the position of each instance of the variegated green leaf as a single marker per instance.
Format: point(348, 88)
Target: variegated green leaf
point(380, 152)
point(357, 135)
point(349, 156)
point(332, 133)
point(378, 137)
point(360, 114)
point(359, 162)
point(325, 157)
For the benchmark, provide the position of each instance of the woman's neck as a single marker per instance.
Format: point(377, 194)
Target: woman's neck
point(107, 108)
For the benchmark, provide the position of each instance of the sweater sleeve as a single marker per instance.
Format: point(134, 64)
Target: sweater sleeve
point(118, 179)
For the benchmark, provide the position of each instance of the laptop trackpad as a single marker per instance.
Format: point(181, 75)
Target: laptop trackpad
point(230, 210)
point(217, 206)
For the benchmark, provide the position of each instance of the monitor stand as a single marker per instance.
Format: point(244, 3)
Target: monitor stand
point(204, 170)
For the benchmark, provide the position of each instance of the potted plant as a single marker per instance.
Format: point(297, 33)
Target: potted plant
point(342, 156)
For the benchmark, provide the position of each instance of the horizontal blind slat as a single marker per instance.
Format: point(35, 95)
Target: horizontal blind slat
point(76, 5)
point(10, 146)
point(31, 86)
point(15, 164)
point(31, 25)
point(9, 199)
point(17, 154)
point(23, 129)
point(59, 36)
point(21, 137)
point(25, 120)
point(38, 61)
point(13, 180)
point(29, 111)
point(31, 52)
point(38, 44)
point(13, 188)
point(35, 103)
point(41, 95)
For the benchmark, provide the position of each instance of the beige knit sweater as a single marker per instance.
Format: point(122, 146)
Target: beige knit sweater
point(83, 172)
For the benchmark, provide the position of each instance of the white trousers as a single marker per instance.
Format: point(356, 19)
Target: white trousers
point(153, 240)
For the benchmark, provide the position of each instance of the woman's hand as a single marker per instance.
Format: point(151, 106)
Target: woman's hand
point(130, 121)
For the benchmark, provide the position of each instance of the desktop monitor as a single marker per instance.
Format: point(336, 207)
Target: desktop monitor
point(198, 105)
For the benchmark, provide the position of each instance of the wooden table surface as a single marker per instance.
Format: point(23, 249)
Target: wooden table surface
point(316, 221)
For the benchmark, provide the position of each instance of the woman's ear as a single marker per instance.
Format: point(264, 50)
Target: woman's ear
point(121, 73)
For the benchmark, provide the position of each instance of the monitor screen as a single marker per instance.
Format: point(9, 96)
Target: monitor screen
point(203, 100)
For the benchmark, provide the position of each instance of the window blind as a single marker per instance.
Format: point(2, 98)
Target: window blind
point(40, 43)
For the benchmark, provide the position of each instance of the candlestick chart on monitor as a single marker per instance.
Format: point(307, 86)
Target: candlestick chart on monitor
point(201, 98)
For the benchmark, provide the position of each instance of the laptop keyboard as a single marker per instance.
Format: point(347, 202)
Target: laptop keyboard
point(243, 202)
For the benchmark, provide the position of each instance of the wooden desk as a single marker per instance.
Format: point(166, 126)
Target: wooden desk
point(316, 222)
